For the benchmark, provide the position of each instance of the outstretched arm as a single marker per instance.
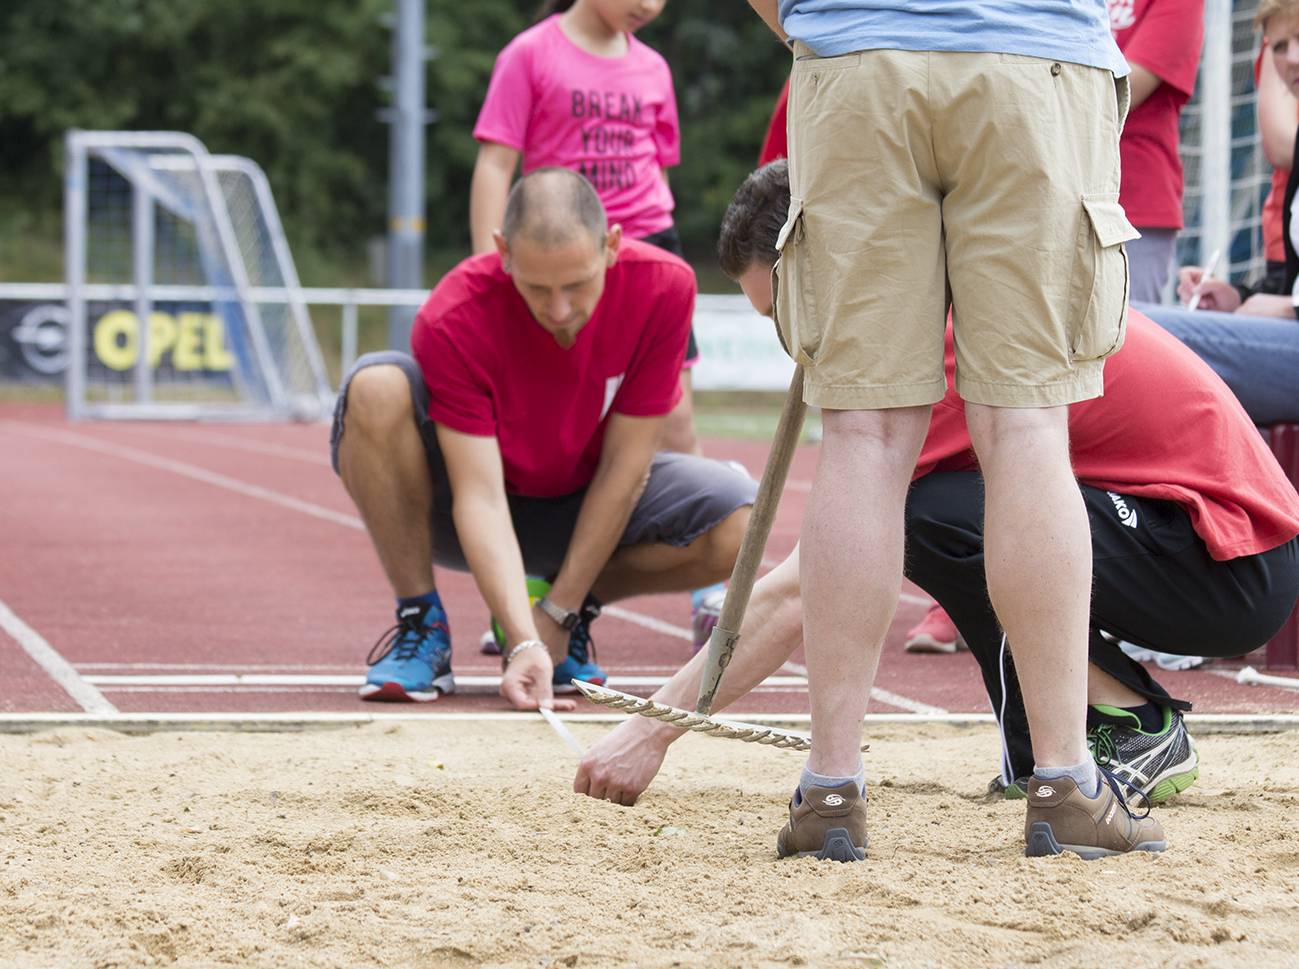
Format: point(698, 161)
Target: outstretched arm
point(482, 519)
point(621, 765)
point(625, 456)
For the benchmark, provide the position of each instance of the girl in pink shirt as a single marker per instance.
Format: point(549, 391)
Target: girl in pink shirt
point(578, 90)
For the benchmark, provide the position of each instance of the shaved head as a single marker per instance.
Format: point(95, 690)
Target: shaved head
point(552, 207)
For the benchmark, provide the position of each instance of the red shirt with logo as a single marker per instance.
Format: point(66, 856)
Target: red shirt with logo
point(1164, 37)
point(1167, 428)
point(493, 371)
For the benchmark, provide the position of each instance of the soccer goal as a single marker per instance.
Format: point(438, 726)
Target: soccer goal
point(183, 299)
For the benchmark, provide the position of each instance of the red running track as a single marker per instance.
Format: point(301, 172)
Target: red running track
point(146, 566)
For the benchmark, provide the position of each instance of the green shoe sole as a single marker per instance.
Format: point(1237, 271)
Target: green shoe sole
point(1170, 786)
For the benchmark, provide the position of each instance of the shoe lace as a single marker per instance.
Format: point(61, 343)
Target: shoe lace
point(1103, 746)
point(1113, 780)
point(403, 640)
point(581, 646)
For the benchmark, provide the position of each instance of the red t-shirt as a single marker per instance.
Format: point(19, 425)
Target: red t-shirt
point(1164, 37)
point(493, 371)
point(1167, 428)
point(776, 144)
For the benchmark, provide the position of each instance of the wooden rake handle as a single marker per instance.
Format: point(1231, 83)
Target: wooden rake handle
point(721, 644)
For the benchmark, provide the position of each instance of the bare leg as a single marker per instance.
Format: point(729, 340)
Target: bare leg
point(641, 569)
point(852, 569)
point(1038, 559)
point(382, 464)
point(1103, 688)
point(679, 432)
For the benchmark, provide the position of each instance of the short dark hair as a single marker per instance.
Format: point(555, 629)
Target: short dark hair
point(754, 219)
point(552, 205)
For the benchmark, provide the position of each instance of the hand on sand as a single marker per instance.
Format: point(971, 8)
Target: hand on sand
point(623, 763)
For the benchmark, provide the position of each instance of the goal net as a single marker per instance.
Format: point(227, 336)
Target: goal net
point(183, 298)
point(1227, 177)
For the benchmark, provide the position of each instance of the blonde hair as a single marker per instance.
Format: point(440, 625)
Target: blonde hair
point(1267, 9)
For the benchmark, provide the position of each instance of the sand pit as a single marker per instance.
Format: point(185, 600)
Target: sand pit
point(458, 844)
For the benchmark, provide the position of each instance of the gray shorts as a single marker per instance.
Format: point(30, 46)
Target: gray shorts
point(685, 496)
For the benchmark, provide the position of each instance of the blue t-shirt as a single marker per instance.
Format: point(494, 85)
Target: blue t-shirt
point(1077, 31)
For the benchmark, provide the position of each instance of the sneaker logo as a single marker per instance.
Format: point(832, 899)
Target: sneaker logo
point(1109, 815)
point(409, 611)
point(1046, 790)
point(833, 800)
point(1127, 515)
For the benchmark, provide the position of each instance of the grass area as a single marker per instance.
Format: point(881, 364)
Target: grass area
point(746, 414)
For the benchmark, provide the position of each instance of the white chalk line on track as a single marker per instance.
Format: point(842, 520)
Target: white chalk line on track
point(1203, 723)
point(270, 449)
point(355, 680)
point(877, 693)
point(52, 662)
point(205, 476)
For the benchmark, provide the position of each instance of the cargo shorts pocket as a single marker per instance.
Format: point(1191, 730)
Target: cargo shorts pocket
point(1098, 294)
point(791, 289)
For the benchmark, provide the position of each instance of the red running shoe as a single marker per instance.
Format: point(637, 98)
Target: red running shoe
point(936, 633)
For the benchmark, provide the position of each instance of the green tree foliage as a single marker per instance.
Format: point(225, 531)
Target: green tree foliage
point(294, 84)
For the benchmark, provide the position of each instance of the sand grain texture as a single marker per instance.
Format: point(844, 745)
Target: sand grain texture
point(459, 844)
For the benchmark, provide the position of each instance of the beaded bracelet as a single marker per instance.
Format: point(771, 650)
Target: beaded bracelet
point(526, 644)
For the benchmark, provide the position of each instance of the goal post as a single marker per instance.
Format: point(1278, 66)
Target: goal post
point(183, 298)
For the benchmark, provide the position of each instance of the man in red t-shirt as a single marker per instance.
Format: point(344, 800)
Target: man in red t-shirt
point(1193, 526)
point(522, 438)
point(1161, 40)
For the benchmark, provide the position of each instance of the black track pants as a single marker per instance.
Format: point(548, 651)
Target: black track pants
point(1155, 585)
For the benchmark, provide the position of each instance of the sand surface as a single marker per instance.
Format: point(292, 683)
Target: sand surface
point(459, 844)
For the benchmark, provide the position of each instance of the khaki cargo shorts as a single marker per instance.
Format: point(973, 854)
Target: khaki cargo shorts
point(984, 182)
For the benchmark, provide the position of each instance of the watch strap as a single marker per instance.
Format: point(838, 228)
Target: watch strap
point(563, 618)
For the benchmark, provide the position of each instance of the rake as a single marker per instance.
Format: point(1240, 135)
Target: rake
point(721, 644)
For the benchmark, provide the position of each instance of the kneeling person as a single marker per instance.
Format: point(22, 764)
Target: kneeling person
point(522, 438)
point(1193, 530)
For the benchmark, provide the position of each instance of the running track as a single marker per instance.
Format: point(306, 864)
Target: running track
point(154, 568)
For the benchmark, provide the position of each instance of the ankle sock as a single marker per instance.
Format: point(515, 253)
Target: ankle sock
point(429, 604)
point(1149, 715)
point(1085, 775)
point(811, 778)
point(698, 595)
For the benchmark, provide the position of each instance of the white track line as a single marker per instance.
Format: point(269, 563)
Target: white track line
point(317, 457)
point(194, 472)
point(489, 682)
point(1203, 723)
point(351, 521)
point(55, 666)
point(905, 703)
point(877, 693)
point(649, 622)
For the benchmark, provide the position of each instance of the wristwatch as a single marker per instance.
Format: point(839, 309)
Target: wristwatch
point(563, 618)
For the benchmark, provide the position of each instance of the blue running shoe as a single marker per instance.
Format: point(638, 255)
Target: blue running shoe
point(580, 663)
point(411, 662)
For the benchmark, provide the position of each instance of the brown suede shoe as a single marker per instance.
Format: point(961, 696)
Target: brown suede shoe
point(828, 823)
point(1062, 818)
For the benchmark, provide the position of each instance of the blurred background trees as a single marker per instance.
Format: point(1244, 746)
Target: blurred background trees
point(294, 84)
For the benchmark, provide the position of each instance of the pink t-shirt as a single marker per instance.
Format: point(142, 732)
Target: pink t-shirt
point(493, 371)
point(613, 119)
